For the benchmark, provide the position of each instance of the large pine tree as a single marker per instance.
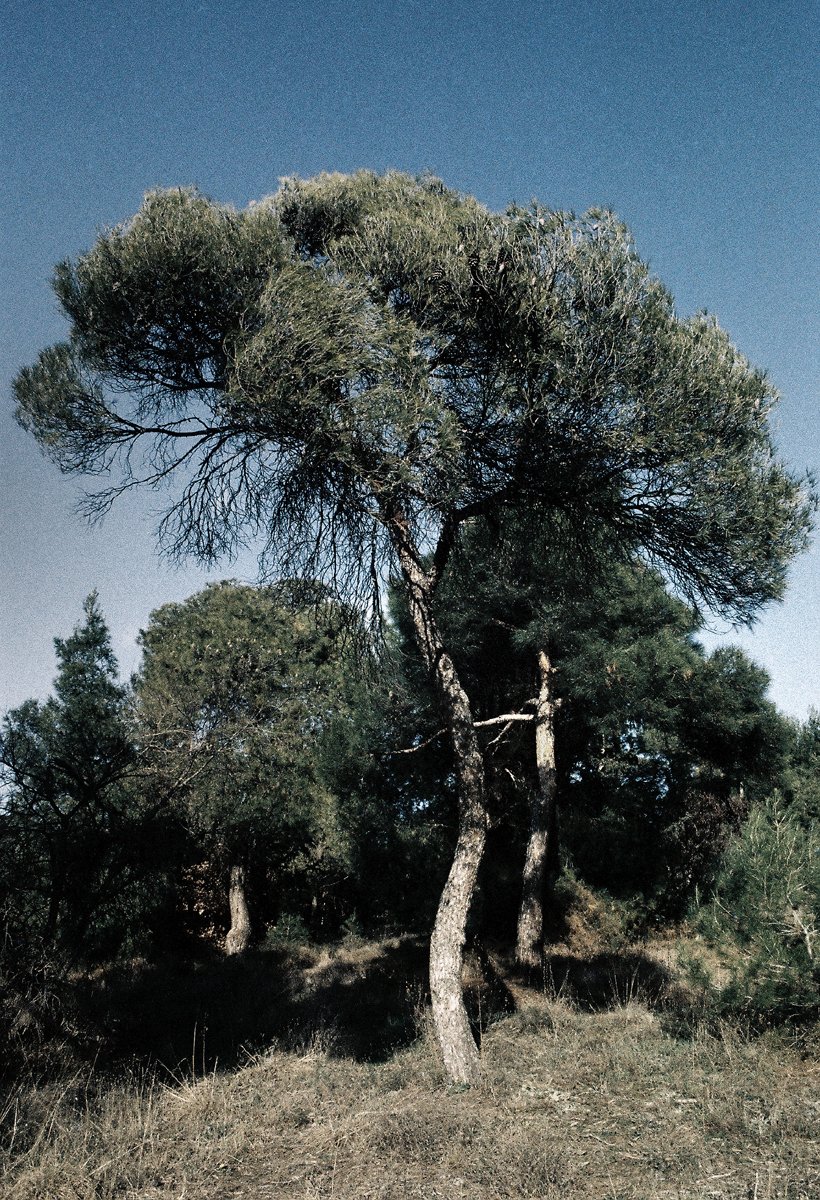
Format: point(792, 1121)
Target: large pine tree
point(357, 366)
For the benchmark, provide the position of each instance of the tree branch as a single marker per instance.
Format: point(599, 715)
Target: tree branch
point(508, 718)
point(420, 746)
point(505, 719)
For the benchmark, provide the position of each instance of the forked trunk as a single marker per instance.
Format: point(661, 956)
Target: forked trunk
point(541, 846)
point(458, 1047)
point(239, 935)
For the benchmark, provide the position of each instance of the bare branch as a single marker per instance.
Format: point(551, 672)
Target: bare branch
point(507, 718)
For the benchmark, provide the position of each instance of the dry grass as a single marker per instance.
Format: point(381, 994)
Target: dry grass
point(588, 1105)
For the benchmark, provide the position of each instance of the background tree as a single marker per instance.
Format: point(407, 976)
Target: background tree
point(801, 781)
point(397, 809)
point(355, 367)
point(75, 837)
point(235, 693)
point(660, 748)
point(650, 804)
point(763, 911)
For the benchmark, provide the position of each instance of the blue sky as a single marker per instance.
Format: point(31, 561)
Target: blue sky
point(698, 123)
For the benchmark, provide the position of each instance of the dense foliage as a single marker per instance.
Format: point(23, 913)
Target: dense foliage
point(764, 909)
point(253, 730)
point(77, 828)
point(661, 749)
point(766, 906)
point(234, 697)
point(360, 347)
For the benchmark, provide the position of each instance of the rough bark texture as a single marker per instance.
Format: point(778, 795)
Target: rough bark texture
point(239, 934)
point(458, 1047)
point(540, 846)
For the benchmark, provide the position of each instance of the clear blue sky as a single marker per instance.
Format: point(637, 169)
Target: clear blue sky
point(697, 122)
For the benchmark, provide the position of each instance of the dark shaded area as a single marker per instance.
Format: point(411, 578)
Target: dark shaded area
point(362, 1002)
point(359, 1000)
point(606, 981)
point(487, 995)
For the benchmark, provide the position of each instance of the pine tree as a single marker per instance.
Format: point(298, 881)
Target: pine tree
point(234, 695)
point(765, 907)
point(72, 827)
point(361, 364)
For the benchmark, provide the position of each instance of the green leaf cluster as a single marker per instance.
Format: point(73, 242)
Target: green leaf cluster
point(236, 694)
point(75, 833)
point(660, 747)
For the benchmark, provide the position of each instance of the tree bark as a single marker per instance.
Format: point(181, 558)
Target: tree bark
point(57, 873)
point(458, 1047)
point(541, 846)
point(239, 935)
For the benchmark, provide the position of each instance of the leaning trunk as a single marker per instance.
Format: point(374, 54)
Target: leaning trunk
point(458, 1047)
point(543, 827)
point(239, 935)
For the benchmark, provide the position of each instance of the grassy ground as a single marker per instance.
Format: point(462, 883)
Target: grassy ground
point(587, 1095)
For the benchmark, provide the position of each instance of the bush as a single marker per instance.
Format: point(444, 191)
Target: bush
point(764, 916)
point(289, 930)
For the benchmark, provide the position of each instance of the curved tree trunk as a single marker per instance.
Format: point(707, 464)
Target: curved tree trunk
point(541, 847)
point(239, 935)
point(458, 1047)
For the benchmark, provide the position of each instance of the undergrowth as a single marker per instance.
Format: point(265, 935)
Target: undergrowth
point(585, 1094)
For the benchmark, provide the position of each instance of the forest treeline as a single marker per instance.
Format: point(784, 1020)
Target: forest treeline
point(274, 773)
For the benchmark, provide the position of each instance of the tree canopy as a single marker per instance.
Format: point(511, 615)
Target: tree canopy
point(362, 349)
point(234, 696)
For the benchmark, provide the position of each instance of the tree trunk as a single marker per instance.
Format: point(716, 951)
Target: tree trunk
point(56, 891)
point(458, 1047)
point(541, 847)
point(239, 934)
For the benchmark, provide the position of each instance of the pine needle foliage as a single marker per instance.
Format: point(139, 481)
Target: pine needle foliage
point(361, 344)
point(72, 828)
point(236, 693)
point(766, 906)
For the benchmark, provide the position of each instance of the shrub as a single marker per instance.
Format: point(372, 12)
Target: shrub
point(764, 915)
point(289, 930)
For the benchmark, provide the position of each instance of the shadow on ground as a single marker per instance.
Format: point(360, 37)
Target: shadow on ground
point(364, 1001)
point(605, 981)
